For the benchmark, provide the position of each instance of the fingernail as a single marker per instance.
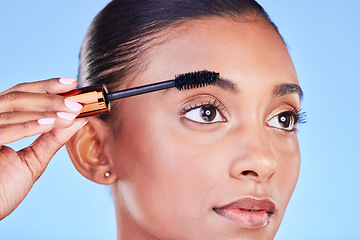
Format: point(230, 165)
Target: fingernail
point(46, 121)
point(66, 116)
point(67, 81)
point(72, 105)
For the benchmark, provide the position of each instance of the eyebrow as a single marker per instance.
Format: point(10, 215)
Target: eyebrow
point(281, 90)
point(226, 85)
point(288, 88)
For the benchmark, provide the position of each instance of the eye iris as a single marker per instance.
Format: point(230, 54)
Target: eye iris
point(285, 120)
point(208, 113)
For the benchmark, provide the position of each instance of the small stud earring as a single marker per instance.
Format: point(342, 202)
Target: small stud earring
point(107, 174)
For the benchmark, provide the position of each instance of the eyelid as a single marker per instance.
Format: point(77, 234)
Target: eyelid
point(284, 107)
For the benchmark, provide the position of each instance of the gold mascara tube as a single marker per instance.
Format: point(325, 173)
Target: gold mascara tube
point(92, 99)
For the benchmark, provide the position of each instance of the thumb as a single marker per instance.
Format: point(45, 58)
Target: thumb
point(38, 155)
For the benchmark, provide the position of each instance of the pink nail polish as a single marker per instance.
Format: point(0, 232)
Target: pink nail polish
point(67, 81)
point(72, 105)
point(46, 121)
point(66, 116)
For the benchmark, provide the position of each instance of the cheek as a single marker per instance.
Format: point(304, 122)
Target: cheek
point(164, 177)
point(287, 154)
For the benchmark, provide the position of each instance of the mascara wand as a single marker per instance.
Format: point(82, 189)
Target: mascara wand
point(96, 100)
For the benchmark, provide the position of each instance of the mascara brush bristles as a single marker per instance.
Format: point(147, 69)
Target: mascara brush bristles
point(195, 80)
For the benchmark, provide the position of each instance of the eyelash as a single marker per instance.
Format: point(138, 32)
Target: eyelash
point(298, 115)
point(216, 104)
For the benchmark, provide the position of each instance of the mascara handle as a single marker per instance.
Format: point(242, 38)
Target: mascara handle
point(92, 98)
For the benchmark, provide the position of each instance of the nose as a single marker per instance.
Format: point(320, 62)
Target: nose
point(254, 159)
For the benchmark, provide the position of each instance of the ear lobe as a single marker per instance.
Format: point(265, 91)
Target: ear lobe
point(86, 150)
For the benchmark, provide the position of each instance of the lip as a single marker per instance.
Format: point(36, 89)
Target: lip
point(248, 212)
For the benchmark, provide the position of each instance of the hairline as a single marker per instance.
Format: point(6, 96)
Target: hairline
point(164, 34)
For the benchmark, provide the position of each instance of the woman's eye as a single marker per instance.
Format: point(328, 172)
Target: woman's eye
point(285, 120)
point(204, 114)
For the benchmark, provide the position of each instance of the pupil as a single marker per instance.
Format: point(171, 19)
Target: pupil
point(208, 113)
point(285, 120)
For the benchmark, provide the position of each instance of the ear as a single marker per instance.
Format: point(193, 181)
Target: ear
point(88, 154)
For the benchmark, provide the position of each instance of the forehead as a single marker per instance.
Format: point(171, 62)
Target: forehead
point(234, 48)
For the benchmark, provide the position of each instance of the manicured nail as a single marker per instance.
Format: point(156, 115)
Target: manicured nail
point(46, 121)
point(66, 116)
point(72, 105)
point(67, 81)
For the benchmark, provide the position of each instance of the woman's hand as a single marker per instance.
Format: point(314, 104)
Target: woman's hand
point(26, 110)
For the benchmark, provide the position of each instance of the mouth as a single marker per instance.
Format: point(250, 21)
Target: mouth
point(248, 212)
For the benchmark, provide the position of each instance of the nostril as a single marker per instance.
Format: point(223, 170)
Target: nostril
point(249, 173)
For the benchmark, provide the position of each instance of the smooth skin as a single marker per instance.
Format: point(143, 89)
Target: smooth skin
point(27, 110)
point(169, 170)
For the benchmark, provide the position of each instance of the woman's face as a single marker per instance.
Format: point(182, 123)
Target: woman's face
point(214, 162)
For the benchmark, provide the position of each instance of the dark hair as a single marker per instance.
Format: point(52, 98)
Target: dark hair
point(122, 32)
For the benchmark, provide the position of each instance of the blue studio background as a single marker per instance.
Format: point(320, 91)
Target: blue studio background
point(40, 39)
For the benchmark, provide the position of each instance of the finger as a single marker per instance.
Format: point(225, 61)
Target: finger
point(17, 101)
point(64, 120)
point(8, 118)
point(14, 132)
point(38, 155)
point(53, 85)
point(15, 181)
